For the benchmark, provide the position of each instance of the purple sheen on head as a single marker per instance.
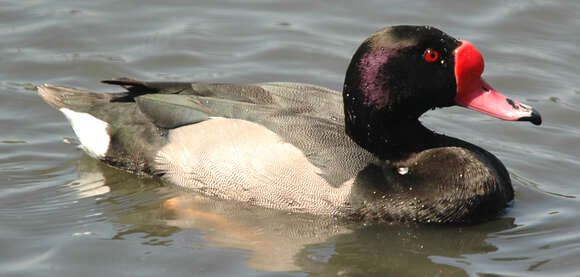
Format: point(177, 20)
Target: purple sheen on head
point(372, 84)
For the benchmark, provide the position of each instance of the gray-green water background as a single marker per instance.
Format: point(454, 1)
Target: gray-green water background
point(63, 214)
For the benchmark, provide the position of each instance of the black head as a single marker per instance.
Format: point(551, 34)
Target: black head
point(400, 72)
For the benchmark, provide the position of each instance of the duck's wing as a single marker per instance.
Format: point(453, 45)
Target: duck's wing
point(308, 117)
point(298, 97)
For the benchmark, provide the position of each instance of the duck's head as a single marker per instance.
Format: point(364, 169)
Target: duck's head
point(400, 72)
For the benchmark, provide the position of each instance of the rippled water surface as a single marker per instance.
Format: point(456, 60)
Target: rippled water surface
point(64, 214)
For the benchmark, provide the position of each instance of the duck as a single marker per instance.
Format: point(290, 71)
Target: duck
point(361, 155)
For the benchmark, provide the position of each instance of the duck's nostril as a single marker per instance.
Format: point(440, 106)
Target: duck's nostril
point(485, 89)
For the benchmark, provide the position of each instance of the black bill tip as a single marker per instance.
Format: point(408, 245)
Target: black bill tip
point(535, 117)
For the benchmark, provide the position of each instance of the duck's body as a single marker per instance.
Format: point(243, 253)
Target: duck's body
point(284, 145)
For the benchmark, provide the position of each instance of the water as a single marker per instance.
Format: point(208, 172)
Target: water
point(63, 214)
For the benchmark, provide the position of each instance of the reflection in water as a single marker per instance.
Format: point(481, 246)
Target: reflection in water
point(273, 237)
point(407, 250)
point(276, 240)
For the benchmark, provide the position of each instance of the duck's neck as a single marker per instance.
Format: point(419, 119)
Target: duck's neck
point(390, 138)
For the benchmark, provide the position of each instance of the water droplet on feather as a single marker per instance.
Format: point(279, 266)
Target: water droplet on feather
point(403, 170)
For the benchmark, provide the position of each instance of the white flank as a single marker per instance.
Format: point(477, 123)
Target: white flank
point(91, 131)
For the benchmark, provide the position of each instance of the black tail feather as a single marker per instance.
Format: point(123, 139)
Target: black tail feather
point(134, 87)
point(137, 87)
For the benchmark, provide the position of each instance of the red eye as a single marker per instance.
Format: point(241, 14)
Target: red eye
point(431, 55)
